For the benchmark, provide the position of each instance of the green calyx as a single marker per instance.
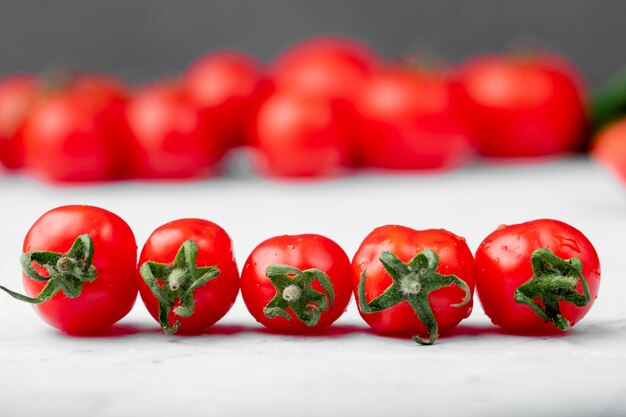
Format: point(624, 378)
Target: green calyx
point(412, 282)
point(179, 281)
point(67, 272)
point(294, 291)
point(554, 279)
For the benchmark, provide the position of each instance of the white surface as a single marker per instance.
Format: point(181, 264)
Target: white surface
point(238, 369)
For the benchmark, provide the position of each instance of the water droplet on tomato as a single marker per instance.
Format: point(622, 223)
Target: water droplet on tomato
point(497, 260)
point(502, 226)
point(504, 247)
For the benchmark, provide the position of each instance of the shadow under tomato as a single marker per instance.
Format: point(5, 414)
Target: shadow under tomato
point(334, 331)
point(117, 330)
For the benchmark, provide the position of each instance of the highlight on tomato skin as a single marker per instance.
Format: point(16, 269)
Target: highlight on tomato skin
point(450, 303)
point(213, 298)
point(523, 106)
point(111, 295)
point(504, 266)
point(608, 148)
point(315, 264)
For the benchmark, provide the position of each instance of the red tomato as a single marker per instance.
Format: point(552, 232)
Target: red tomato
point(76, 132)
point(510, 273)
point(432, 289)
point(171, 139)
point(609, 148)
point(226, 86)
point(411, 120)
point(324, 67)
point(523, 106)
point(18, 94)
point(296, 283)
point(192, 266)
point(299, 136)
point(79, 264)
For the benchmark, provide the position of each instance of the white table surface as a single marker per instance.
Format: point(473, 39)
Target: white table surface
point(238, 369)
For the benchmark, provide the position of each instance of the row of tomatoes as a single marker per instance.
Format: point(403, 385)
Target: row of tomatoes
point(323, 106)
point(80, 272)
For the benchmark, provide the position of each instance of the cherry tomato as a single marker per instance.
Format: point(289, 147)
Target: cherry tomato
point(324, 67)
point(411, 119)
point(537, 277)
point(18, 93)
point(299, 136)
point(523, 106)
point(79, 265)
point(416, 282)
point(170, 138)
point(75, 132)
point(609, 148)
point(227, 87)
point(296, 283)
point(189, 264)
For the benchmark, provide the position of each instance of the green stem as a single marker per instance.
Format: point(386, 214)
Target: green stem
point(294, 291)
point(177, 281)
point(412, 282)
point(67, 272)
point(554, 280)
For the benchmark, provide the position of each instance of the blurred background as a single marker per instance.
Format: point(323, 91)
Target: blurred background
point(147, 39)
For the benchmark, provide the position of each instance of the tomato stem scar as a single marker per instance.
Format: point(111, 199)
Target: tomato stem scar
point(412, 282)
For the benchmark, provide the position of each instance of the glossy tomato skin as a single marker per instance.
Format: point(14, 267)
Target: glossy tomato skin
point(303, 252)
point(170, 139)
point(76, 131)
point(524, 106)
point(325, 67)
point(227, 86)
point(216, 297)
point(411, 119)
point(455, 258)
point(299, 136)
point(112, 294)
point(18, 94)
point(503, 264)
point(609, 149)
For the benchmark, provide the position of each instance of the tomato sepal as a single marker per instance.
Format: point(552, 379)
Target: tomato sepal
point(179, 281)
point(67, 272)
point(296, 293)
point(412, 282)
point(554, 280)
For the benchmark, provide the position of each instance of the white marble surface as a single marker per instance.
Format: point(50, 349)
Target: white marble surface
point(238, 369)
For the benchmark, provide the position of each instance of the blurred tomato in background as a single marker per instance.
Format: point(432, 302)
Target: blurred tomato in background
point(523, 105)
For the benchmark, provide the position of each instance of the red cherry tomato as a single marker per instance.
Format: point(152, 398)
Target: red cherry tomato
point(296, 283)
point(523, 106)
point(79, 264)
point(190, 264)
point(324, 68)
point(18, 94)
point(531, 276)
point(413, 281)
point(609, 148)
point(226, 86)
point(410, 119)
point(299, 136)
point(169, 137)
point(76, 132)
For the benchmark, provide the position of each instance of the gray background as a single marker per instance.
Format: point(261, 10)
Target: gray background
point(148, 39)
